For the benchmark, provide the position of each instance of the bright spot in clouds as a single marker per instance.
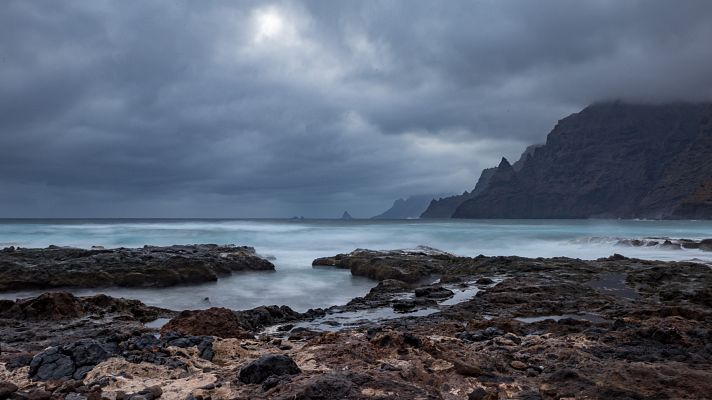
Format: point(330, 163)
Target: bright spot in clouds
point(269, 23)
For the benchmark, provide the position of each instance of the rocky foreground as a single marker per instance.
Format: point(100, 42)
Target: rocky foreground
point(436, 326)
point(150, 266)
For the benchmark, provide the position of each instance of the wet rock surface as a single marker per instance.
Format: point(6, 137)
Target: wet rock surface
point(150, 266)
point(668, 243)
point(552, 328)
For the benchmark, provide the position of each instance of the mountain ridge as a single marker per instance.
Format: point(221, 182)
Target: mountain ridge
point(610, 160)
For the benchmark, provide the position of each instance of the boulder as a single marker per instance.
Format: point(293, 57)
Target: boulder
point(69, 361)
point(434, 292)
point(268, 365)
point(214, 321)
point(6, 389)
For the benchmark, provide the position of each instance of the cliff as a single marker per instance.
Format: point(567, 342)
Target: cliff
point(611, 160)
point(408, 208)
point(445, 207)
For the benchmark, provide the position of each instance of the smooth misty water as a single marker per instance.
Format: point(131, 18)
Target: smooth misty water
point(295, 243)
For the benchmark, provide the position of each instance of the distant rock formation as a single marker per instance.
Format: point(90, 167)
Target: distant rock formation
point(445, 207)
point(346, 215)
point(408, 208)
point(611, 160)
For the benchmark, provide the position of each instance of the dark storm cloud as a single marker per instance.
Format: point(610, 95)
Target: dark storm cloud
point(177, 108)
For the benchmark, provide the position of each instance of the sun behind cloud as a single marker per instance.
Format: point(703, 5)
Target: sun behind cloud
point(269, 23)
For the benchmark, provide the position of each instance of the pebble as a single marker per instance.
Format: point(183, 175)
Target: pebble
point(516, 364)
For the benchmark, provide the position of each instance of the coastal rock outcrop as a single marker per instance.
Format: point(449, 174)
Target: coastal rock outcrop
point(381, 266)
point(72, 360)
point(56, 306)
point(445, 207)
point(215, 321)
point(412, 207)
point(56, 267)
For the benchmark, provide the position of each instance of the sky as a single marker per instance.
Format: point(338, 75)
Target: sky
point(281, 108)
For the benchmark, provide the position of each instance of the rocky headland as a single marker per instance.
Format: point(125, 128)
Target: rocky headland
point(150, 266)
point(436, 326)
point(611, 160)
point(409, 208)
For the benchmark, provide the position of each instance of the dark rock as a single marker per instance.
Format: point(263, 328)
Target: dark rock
point(86, 352)
point(563, 375)
point(445, 207)
point(436, 292)
point(380, 265)
point(39, 394)
point(152, 392)
point(145, 267)
point(324, 387)
point(662, 168)
point(51, 364)
point(477, 394)
point(274, 380)
point(6, 389)
point(265, 366)
point(410, 305)
point(301, 333)
point(412, 207)
point(480, 335)
point(467, 369)
point(412, 340)
point(18, 361)
point(72, 360)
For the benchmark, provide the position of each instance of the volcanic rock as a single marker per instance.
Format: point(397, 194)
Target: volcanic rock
point(149, 266)
point(268, 365)
point(214, 321)
point(613, 160)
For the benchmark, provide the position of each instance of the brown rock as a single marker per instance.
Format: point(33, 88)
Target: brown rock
point(467, 369)
point(39, 394)
point(214, 321)
point(516, 364)
point(6, 389)
point(547, 389)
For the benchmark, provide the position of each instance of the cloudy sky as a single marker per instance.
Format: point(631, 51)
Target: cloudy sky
point(258, 108)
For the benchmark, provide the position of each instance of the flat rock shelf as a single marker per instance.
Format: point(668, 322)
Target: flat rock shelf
point(149, 266)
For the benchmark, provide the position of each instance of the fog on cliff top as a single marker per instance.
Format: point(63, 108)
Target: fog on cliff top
point(254, 108)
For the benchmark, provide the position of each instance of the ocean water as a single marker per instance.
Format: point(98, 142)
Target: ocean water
point(295, 243)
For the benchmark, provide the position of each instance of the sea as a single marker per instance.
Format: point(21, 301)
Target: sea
point(293, 244)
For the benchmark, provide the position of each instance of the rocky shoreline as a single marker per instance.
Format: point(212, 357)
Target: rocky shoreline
point(437, 326)
point(150, 266)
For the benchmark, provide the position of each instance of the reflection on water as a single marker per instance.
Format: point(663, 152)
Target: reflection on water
point(594, 318)
point(300, 289)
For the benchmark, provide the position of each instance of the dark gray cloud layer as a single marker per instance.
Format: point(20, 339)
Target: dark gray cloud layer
point(253, 108)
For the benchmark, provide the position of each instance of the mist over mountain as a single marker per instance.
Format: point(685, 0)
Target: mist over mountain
point(411, 207)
